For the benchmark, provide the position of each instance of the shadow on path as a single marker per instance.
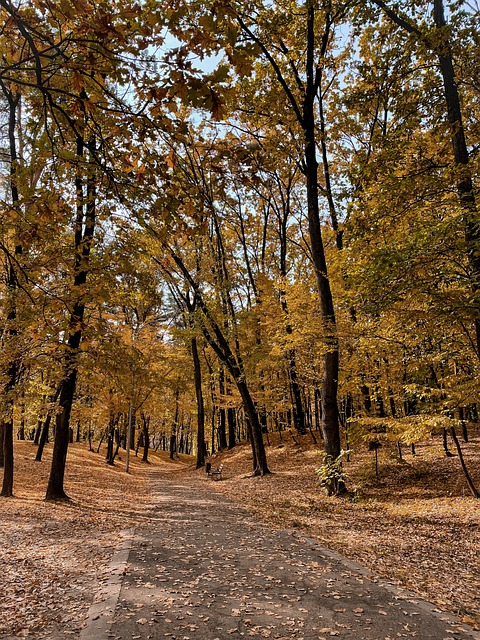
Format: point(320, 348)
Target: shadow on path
point(204, 569)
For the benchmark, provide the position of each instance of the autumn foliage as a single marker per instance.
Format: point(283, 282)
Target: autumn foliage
point(224, 223)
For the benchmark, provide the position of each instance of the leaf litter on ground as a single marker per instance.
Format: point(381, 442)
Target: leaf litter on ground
point(415, 525)
point(54, 556)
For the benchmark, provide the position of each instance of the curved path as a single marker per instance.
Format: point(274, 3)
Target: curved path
point(204, 569)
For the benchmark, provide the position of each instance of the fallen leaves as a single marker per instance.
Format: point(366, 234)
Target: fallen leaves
point(415, 525)
point(53, 556)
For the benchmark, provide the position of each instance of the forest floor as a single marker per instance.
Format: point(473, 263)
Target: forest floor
point(415, 524)
point(54, 557)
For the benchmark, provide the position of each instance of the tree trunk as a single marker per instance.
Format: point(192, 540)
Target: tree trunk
point(261, 467)
point(463, 422)
point(222, 423)
point(298, 412)
point(110, 440)
point(197, 375)
point(448, 453)
point(146, 437)
point(83, 244)
point(471, 486)
point(43, 437)
point(2, 439)
point(21, 430)
point(7, 486)
point(10, 336)
point(231, 421)
point(216, 338)
point(460, 152)
point(132, 431)
point(330, 424)
point(38, 431)
point(55, 489)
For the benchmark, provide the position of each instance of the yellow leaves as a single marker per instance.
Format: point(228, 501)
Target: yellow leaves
point(220, 74)
point(77, 81)
point(409, 430)
point(243, 59)
point(170, 159)
point(68, 8)
point(208, 22)
point(71, 9)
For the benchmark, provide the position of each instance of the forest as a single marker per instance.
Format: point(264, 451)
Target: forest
point(226, 220)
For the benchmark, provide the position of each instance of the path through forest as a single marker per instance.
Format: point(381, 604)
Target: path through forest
point(204, 569)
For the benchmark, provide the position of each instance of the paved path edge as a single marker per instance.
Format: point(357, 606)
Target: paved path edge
point(390, 586)
point(101, 613)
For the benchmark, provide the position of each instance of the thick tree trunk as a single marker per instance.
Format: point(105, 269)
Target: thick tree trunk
point(197, 375)
point(173, 445)
point(83, 244)
point(7, 486)
point(261, 467)
point(231, 421)
point(471, 486)
point(146, 437)
point(222, 423)
point(330, 423)
point(2, 438)
point(109, 454)
point(55, 488)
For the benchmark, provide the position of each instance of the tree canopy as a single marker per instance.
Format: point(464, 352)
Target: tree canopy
point(223, 219)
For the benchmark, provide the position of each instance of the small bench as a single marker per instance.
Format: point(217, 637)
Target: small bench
point(215, 474)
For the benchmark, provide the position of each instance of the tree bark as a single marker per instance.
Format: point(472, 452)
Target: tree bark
point(83, 244)
point(197, 375)
point(11, 334)
point(146, 437)
point(43, 437)
point(330, 423)
point(222, 423)
point(471, 486)
point(7, 486)
point(46, 426)
point(2, 438)
point(173, 445)
point(231, 421)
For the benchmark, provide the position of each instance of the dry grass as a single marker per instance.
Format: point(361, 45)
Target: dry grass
point(415, 524)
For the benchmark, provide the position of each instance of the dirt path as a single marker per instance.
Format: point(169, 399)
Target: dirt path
point(206, 570)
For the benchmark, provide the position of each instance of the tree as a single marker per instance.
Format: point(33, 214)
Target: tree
point(438, 41)
point(267, 34)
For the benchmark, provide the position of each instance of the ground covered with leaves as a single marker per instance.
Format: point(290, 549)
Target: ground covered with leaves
point(414, 524)
point(54, 556)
